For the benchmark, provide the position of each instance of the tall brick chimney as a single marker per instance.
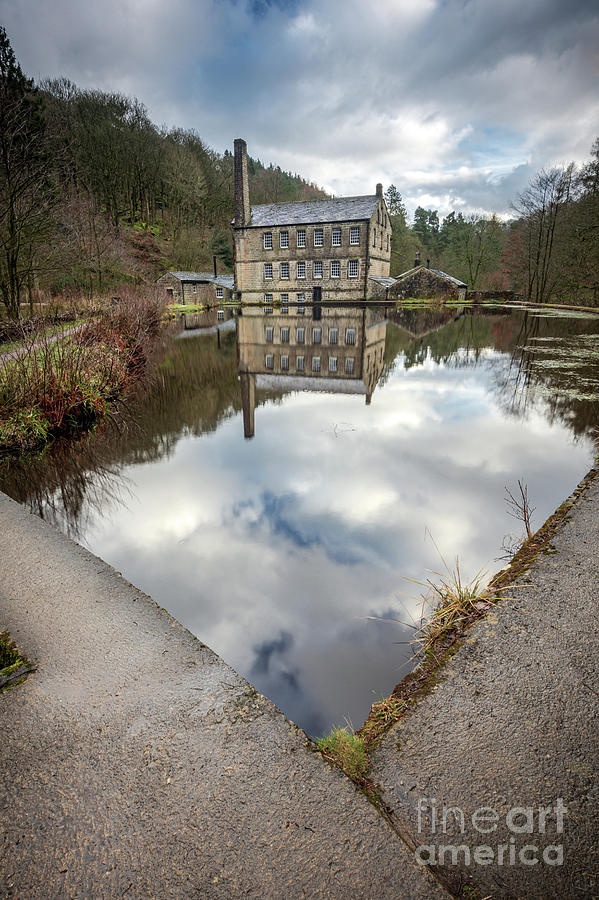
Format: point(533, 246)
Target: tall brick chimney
point(242, 189)
point(379, 190)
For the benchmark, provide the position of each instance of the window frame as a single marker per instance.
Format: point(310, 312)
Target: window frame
point(320, 233)
point(317, 269)
point(300, 238)
point(284, 271)
point(268, 268)
point(351, 265)
point(352, 233)
point(336, 232)
point(337, 264)
point(284, 240)
point(267, 242)
point(301, 273)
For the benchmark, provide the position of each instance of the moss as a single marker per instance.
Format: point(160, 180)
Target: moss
point(13, 666)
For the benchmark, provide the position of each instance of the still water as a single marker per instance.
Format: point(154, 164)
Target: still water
point(277, 489)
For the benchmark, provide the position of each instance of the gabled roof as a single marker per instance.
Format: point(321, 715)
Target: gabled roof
point(226, 281)
point(307, 212)
point(437, 272)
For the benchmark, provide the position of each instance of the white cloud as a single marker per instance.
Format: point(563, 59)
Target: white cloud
point(457, 104)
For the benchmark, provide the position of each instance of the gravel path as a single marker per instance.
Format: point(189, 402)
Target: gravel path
point(135, 763)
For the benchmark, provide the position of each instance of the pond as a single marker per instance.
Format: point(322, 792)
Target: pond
point(279, 489)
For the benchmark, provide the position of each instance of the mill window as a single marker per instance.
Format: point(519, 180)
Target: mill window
point(318, 237)
point(354, 234)
point(283, 240)
point(336, 237)
point(352, 268)
point(268, 271)
point(284, 270)
point(317, 269)
point(301, 237)
point(350, 335)
point(301, 270)
point(335, 269)
point(267, 238)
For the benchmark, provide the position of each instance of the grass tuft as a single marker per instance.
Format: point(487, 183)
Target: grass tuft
point(345, 750)
point(383, 713)
point(451, 601)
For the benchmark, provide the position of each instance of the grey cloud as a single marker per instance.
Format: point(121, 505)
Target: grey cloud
point(477, 96)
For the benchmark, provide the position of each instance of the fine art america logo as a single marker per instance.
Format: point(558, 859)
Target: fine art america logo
point(517, 848)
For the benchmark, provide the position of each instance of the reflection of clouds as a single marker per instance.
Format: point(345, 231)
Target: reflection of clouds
point(301, 533)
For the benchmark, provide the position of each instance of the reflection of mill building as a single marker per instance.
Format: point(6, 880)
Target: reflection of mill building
point(315, 349)
point(283, 251)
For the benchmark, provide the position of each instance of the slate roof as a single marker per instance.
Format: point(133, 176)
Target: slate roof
point(226, 281)
point(308, 212)
point(380, 279)
point(443, 275)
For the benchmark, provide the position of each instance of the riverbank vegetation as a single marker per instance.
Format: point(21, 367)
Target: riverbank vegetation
point(57, 382)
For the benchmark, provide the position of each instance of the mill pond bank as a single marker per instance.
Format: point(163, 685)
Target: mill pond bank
point(135, 760)
point(128, 701)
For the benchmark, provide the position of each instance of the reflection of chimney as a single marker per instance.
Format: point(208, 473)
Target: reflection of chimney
point(214, 263)
point(242, 190)
point(248, 402)
point(428, 264)
point(369, 398)
point(379, 190)
point(417, 260)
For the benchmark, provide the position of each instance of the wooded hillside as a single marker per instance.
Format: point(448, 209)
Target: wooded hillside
point(94, 194)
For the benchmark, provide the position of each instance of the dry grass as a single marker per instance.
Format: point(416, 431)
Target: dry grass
point(62, 382)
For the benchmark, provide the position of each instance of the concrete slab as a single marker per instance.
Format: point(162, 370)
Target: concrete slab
point(513, 722)
point(135, 763)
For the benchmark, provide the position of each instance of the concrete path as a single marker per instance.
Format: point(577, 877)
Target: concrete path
point(134, 763)
point(513, 722)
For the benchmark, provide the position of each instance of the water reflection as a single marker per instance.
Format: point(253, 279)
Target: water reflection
point(276, 550)
point(329, 349)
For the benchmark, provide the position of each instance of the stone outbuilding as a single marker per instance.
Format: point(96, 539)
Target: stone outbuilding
point(421, 282)
point(198, 287)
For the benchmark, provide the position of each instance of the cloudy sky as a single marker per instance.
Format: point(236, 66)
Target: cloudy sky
point(457, 102)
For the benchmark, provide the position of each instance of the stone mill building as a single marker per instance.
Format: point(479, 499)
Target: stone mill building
point(307, 250)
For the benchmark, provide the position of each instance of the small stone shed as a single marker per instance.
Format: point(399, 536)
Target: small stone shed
point(421, 282)
point(198, 287)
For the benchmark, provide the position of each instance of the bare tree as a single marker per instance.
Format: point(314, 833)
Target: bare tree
point(542, 208)
point(27, 191)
